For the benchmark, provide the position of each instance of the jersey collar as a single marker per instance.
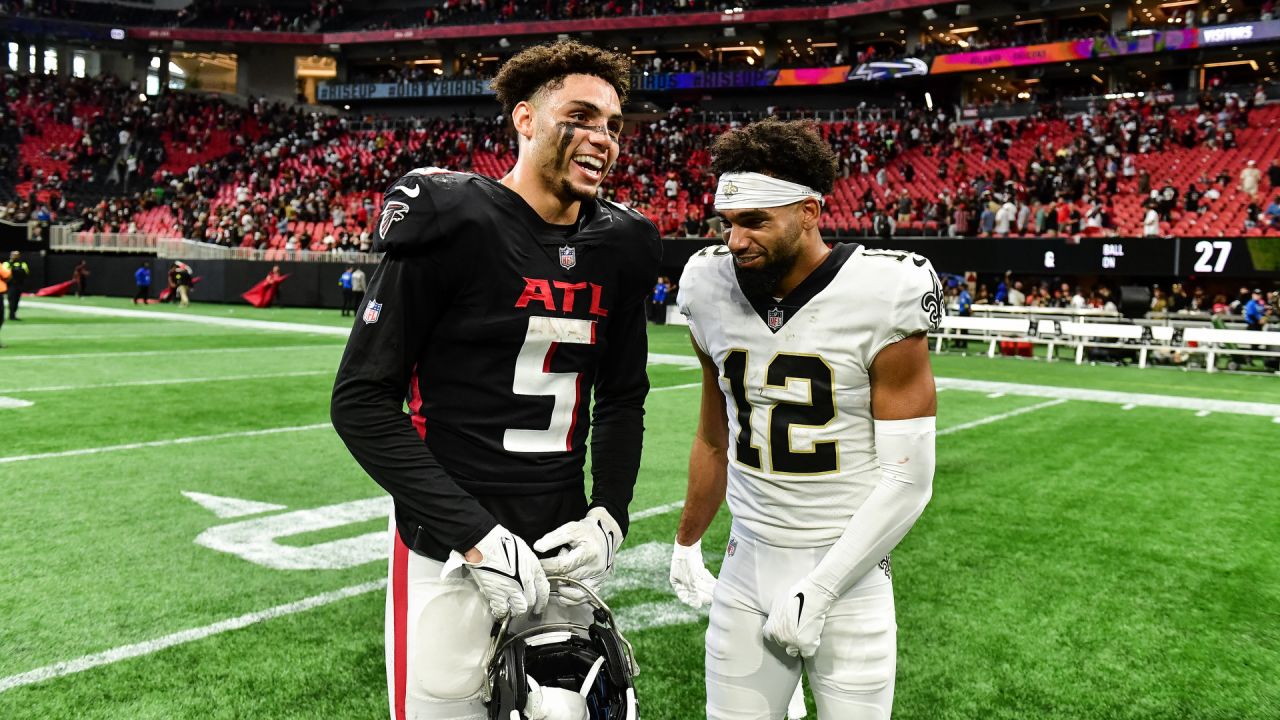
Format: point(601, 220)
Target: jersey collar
point(776, 313)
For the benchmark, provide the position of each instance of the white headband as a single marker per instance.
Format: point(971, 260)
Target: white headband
point(744, 191)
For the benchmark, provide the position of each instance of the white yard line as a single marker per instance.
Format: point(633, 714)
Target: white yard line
point(152, 353)
point(1170, 402)
point(659, 510)
point(685, 386)
point(125, 652)
point(996, 418)
point(1173, 402)
point(170, 381)
point(335, 330)
point(669, 359)
point(160, 443)
point(8, 403)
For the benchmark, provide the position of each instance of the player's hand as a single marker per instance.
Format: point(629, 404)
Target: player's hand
point(509, 575)
point(690, 578)
point(796, 619)
point(589, 548)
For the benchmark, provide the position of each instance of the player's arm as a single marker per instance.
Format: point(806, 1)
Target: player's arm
point(367, 407)
point(903, 404)
point(590, 545)
point(903, 407)
point(708, 458)
point(708, 475)
point(617, 420)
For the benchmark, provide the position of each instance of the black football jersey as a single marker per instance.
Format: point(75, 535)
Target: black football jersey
point(497, 329)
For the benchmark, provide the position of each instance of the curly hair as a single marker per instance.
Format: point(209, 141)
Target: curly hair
point(545, 66)
point(792, 151)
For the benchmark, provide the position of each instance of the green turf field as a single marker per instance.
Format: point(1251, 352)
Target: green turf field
point(1099, 558)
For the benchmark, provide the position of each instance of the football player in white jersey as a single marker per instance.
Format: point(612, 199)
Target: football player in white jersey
point(817, 423)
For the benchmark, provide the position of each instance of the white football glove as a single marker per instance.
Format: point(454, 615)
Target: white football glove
point(796, 619)
point(690, 578)
point(509, 575)
point(553, 703)
point(591, 546)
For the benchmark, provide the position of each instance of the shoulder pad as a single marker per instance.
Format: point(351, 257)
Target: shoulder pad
point(414, 207)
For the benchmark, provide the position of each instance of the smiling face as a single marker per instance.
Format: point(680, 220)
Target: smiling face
point(765, 242)
point(572, 131)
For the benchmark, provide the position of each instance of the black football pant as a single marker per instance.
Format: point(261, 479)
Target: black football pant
point(348, 302)
point(14, 294)
point(143, 294)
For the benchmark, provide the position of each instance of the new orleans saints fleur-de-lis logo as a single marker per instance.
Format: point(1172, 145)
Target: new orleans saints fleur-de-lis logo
point(730, 190)
point(931, 303)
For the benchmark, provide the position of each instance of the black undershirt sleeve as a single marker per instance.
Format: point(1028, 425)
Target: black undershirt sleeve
point(617, 423)
point(373, 379)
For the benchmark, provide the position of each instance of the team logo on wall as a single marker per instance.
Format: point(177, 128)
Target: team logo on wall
point(775, 319)
point(393, 212)
point(568, 257)
point(889, 69)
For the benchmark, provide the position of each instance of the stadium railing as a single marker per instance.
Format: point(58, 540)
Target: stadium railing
point(181, 249)
point(65, 239)
point(1087, 330)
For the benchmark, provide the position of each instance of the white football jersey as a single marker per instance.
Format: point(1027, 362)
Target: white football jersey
point(795, 376)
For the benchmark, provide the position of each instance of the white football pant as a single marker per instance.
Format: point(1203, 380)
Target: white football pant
point(437, 635)
point(852, 674)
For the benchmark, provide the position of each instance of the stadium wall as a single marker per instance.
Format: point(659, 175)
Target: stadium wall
point(310, 284)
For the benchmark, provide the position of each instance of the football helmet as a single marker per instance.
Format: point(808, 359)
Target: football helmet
point(594, 661)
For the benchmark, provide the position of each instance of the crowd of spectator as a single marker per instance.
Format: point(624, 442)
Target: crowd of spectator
point(315, 181)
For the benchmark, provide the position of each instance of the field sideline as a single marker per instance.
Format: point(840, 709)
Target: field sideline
point(185, 536)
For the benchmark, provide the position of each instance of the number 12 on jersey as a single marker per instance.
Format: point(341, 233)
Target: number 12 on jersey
point(784, 416)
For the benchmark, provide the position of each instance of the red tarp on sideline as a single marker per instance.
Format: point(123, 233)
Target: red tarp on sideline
point(58, 290)
point(264, 293)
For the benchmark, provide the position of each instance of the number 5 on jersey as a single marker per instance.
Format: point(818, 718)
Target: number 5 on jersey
point(785, 416)
point(534, 377)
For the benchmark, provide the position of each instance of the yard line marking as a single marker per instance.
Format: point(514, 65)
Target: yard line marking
point(659, 510)
point(1170, 402)
point(170, 381)
point(995, 395)
point(156, 334)
point(8, 403)
point(685, 386)
point(669, 359)
point(1203, 413)
point(161, 443)
point(150, 353)
point(1175, 402)
point(996, 418)
point(126, 652)
point(339, 331)
point(179, 638)
point(336, 330)
point(1128, 406)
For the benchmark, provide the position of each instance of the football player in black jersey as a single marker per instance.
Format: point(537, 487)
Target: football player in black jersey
point(499, 310)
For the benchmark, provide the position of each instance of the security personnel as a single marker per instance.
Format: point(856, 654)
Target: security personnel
point(348, 297)
point(19, 271)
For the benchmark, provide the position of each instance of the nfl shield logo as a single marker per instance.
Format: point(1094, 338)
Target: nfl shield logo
point(733, 547)
point(775, 319)
point(371, 312)
point(568, 257)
